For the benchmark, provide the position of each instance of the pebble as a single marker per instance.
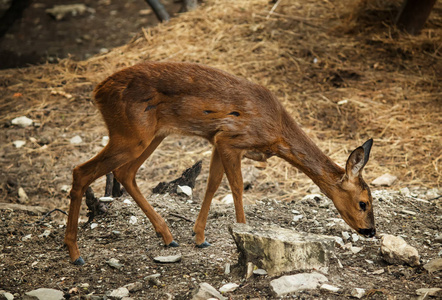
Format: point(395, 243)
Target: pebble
point(260, 272)
point(104, 140)
point(22, 196)
point(46, 294)
point(292, 283)
point(168, 259)
point(65, 188)
point(357, 293)
point(22, 121)
point(345, 235)
point(153, 279)
point(45, 233)
point(330, 288)
point(384, 180)
point(26, 237)
point(118, 293)
point(227, 269)
point(206, 291)
point(184, 189)
point(127, 202)
point(229, 287)
point(354, 237)
point(433, 292)
point(134, 287)
point(114, 263)
point(76, 140)
point(18, 143)
point(228, 199)
point(106, 199)
point(434, 265)
point(133, 220)
point(5, 295)
point(297, 218)
point(94, 225)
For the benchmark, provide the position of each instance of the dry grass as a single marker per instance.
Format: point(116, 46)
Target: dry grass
point(341, 68)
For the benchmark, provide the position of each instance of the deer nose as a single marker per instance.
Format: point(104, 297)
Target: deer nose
point(370, 232)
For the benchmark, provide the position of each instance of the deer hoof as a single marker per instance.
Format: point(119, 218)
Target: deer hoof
point(204, 245)
point(79, 261)
point(173, 244)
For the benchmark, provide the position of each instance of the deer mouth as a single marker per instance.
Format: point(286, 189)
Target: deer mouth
point(370, 232)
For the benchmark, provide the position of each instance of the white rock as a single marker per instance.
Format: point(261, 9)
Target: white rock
point(46, 294)
point(5, 295)
point(94, 225)
point(45, 233)
point(26, 237)
point(228, 199)
point(229, 287)
point(106, 199)
point(133, 220)
point(65, 188)
point(184, 189)
point(339, 241)
point(357, 293)
point(330, 288)
point(434, 265)
point(384, 180)
point(22, 196)
point(127, 202)
point(433, 292)
point(354, 237)
point(118, 293)
point(60, 11)
point(22, 121)
point(396, 251)
point(76, 140)
point(104, 140)
point(299, 282)
point(206, 291)
point(114, 263)
point(297, 218)
point(345, 235)
point(168, 259)
point(134, 287)
point(18, 143)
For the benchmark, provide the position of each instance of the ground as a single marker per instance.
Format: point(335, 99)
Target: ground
point(342, 71)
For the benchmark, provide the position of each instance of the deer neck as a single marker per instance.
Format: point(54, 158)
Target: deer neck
point(299, 150)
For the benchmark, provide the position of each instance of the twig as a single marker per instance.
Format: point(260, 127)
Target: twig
point(45, 216)
point(181, 217)
point(273, 9)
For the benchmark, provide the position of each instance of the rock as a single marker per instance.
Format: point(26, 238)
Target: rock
point(228, 199)
point(104, 140)
point(229, 287)
point(167, 259)
point(345, 235)
point(330, 288)
point(260, 272)
point(5, 295)
point(60, 11)
point(134, 287)
point(119, 293)
point(396, 251)
point(106, 199)
point(384, 180)
point(153, 279)
point(297, 218)
point(22, 121)
point(133, 220)
point(354, 237)
point(227, 269)
point(46, 294)
point(357, 293)
point(292, 283)
point(279, 250)
point(438, 238)
point(434, 292)
point(45, 233)
point(94, 225)
point(18, 143)
point(76, 140)
point(65, 188)
point(114, 263)
point(434, 265)
point(206, 291)
point(127, 202)
point(22, 196)
point(184, 189)
point(26, 237)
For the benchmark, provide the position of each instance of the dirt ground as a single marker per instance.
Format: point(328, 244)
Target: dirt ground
point(389, 84)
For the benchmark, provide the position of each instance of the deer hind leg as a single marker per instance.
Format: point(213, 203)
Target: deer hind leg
point(216, 173)
point(126, 176)
point(112, 156)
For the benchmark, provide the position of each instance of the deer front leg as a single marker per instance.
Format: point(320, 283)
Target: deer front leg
point(216, 173)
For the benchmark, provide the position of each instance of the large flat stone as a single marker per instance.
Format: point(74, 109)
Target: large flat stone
point(278, 250)
point(299, 282)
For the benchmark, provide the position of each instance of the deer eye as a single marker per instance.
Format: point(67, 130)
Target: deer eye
point(363, 205)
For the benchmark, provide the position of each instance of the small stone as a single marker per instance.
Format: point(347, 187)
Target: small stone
point(378, 272)
point(355, 250)
point(133, 220)
point(45, 233)
point(18, 143)
point(229, 287)
point(434, 265)
point(384, 180)
point(94, 225)
point(339, 241)
point(330, 288)
point(153, 279)
point(127, 202)
point(22, 121)
point(408, 212)
point(292, 283)
point(6, 296)
point(297, 218)
point(114, 263)
point(65, 188)
point(227, 269)
point(228, 199)
point(396, 251)
point(134, 287)
point(46, 294)
point(354, 237)
point(106, 199)
point(118, 293)
point(295, 212)
point(167, 259)
point(184, 189)
point(22, 196)
point(357, 293)
point(206, 291)
point(26, 237)
point(260, 272)
point(76, 140)
point(104, 140)
point(104, 50)
point(345, 235)
point(433, 292)
point(438, 238)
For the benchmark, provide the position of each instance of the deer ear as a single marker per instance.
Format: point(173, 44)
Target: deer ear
point(358, 159)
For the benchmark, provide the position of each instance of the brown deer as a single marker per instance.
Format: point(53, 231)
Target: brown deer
point(143, 104)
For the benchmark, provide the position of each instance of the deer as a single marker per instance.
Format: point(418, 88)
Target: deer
point(143, 104)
